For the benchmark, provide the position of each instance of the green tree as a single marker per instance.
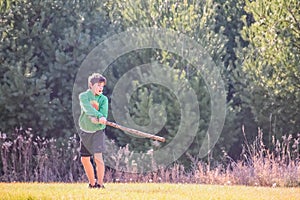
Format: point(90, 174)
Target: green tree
point(42, 45)
point(271, 65)
point(196, 19)
point(230, 18)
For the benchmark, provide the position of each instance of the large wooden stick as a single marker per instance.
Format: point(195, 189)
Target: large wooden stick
point(135, 132)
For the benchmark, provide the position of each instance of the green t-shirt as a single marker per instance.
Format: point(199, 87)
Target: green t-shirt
point(86, 99)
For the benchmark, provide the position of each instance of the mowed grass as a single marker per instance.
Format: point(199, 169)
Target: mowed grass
point(149, 191)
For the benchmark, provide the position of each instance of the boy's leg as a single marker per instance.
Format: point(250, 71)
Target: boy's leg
point(88, 168)
point(100, 168)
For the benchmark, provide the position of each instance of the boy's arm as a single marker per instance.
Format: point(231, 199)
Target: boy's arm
point(88, 108)
point(104, 107)
point(103, 110)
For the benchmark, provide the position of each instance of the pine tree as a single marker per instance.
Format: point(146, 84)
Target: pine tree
point(42, 46)
point(197, 21)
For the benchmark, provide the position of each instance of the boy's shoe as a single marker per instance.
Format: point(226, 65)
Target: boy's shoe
point(94, 186)
point(102, 186)
point(97, 186)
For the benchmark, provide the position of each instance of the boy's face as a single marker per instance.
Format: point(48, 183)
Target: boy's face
point(97, 88)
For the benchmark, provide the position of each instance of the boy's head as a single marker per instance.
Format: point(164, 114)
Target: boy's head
point(96, 78)
point(96, 82)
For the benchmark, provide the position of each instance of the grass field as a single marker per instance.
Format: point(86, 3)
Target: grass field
point(149, 191)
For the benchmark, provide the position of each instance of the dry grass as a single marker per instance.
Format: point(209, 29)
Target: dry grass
point(25, 158)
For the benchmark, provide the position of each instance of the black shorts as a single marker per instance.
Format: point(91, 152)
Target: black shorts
point(91, 143)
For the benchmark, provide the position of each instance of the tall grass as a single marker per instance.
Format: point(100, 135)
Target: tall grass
point(258, 165)
point(25, 158)
point(34, 159)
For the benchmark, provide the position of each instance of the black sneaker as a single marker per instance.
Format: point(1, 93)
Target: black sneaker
point(94, 186)
point(102, 186)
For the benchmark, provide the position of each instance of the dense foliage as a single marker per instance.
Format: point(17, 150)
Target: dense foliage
point(255, 45)
point(42, 45)
point(271, 64)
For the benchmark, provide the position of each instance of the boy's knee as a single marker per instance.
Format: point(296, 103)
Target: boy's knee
point(98, 159)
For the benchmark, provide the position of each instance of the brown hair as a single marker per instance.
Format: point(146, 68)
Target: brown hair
point(96, 78)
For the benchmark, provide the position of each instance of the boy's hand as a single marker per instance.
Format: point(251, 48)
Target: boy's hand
point(94, 120)
point(102, 120)
point(95, 104)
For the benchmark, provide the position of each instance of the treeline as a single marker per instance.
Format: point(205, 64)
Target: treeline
point(255, 45)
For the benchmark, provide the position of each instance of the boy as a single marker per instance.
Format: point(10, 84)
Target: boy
point(92, 120)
